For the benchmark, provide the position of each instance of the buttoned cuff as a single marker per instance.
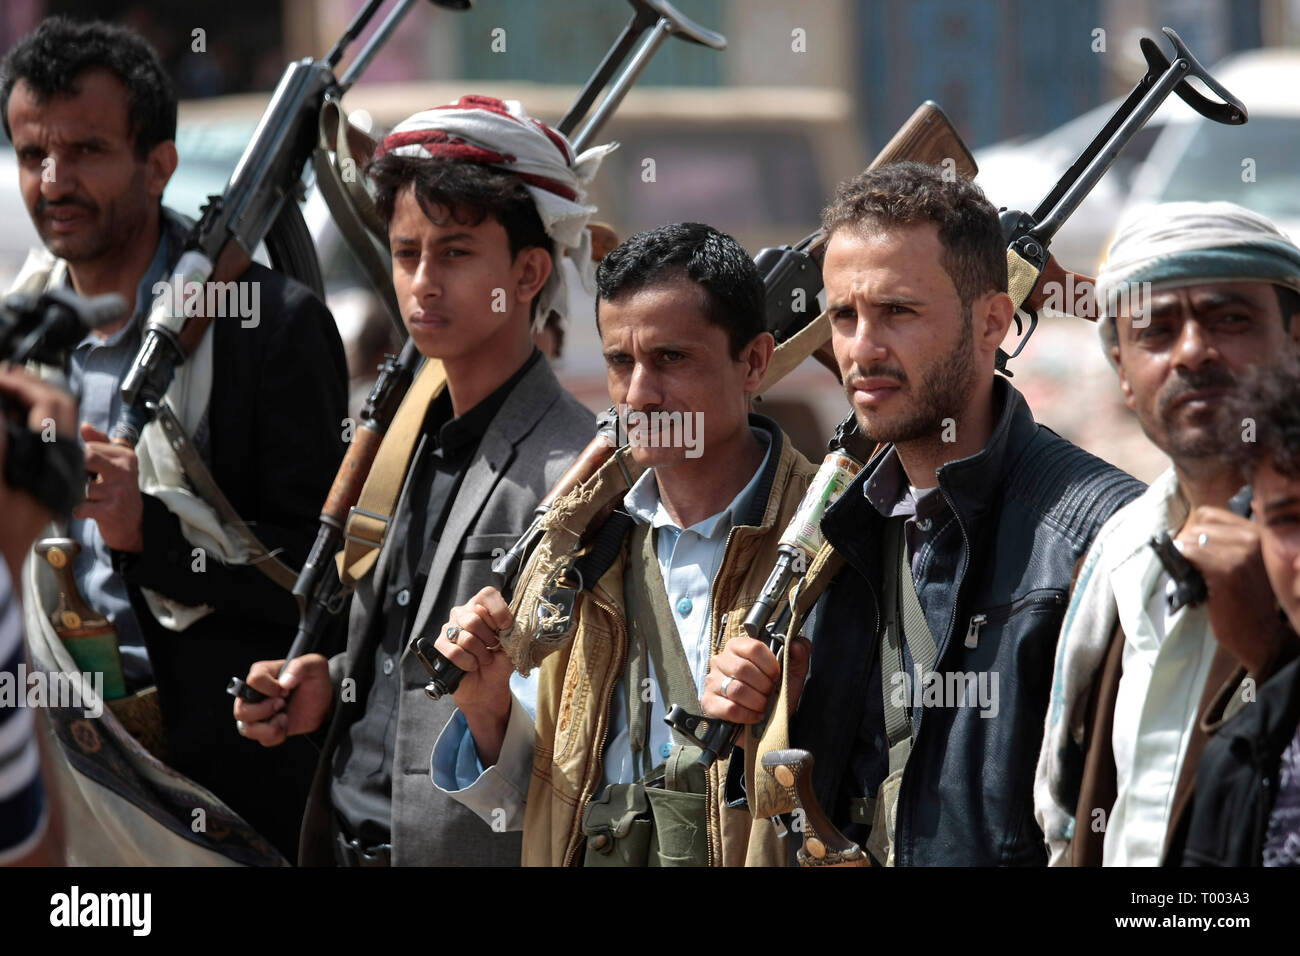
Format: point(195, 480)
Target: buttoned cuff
point(497, 795)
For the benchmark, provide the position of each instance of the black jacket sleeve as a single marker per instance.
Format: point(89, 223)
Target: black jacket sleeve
point(276, 417)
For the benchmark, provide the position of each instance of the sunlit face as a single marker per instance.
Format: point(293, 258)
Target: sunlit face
point(88, 194)
point(1187, 351)
point(903, 342)
point(1277, 508)
point(458, 288)
point(662, 354)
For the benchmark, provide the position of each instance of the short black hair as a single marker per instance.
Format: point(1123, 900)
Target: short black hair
point(465, 192)
point(906, 194)
point(52, 58)
point(1267, 398)
point(733, 290)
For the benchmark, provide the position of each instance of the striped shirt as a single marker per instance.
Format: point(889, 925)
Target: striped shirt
point(22, 796)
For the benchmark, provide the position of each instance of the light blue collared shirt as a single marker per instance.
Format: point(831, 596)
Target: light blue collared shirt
point(689, 559)
point(96, 368)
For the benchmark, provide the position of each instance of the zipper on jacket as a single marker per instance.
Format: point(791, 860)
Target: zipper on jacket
point(973, 630)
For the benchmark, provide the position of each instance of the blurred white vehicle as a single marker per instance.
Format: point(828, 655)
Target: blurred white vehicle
point(18, 235)
point(1019, 173)
point(1256, 165)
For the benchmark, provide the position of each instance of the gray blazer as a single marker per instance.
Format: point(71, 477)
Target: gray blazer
point(531, 442)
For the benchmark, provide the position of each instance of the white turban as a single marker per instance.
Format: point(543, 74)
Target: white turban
point(1190, 243)
point(482, 129)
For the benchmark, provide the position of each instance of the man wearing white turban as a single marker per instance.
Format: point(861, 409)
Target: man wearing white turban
point(481, 202)
point(1193, 296)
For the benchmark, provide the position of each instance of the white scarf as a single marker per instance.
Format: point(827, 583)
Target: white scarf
point(499, 133)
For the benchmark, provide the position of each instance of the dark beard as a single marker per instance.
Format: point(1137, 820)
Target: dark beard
point(1207, 438)
point(944, 390)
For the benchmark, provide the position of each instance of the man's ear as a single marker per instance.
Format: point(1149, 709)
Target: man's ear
point(756, 356)
point(1124, 385)
point(159, 166)
point(992, 316)
point(532, 267)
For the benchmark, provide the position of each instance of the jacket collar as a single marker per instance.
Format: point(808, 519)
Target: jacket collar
point(760, 509)
point(967, 483)
point(528, 401)
point(1270, 722)
point(763, 506)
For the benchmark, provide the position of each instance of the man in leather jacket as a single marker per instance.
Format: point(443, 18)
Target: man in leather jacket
point(989, 509)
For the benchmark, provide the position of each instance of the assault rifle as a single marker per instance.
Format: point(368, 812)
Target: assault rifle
point(1029, 235)
point(221, 244)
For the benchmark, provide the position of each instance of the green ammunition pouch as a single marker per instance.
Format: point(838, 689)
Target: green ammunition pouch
point(662, 819)
point(657, 821)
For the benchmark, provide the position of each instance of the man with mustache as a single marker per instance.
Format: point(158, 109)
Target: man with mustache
point(952, 549)
point(92, 116)
point(1194, 295)
point(597, 778)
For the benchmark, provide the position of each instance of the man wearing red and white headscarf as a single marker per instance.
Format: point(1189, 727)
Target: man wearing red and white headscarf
point(483, 204)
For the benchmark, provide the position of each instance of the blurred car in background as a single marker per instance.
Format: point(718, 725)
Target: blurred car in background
point(1019, 173)
point(1256, 165)
point(18, 235)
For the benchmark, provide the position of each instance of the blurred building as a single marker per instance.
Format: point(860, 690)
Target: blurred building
point(1001, 68)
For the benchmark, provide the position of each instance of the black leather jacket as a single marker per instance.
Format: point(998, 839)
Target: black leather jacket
point(1236, 782)
point(1027, 506)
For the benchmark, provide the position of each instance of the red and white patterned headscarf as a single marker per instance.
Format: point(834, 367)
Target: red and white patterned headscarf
point(482, 129)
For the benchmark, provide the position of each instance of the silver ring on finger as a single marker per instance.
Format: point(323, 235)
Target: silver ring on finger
point(726, 682)
point(1203, 539)
point(453, 633)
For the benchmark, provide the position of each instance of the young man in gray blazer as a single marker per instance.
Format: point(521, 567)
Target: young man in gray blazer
point(477, 197)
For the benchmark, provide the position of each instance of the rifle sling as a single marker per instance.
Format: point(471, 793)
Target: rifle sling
point(790, 354)
point(368, 522)
point(352, 208)
point(900, 598)
point(205, 486)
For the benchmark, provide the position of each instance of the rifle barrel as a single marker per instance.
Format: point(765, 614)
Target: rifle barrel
point(385, 30)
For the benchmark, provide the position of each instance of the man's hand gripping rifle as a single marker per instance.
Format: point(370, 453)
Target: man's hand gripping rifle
point(662, 20)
